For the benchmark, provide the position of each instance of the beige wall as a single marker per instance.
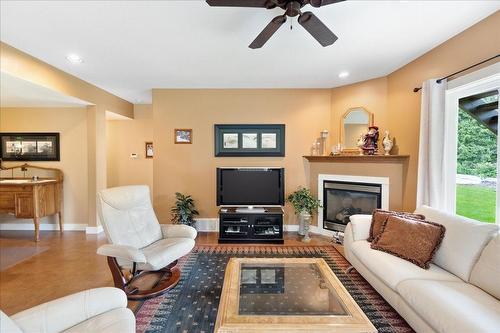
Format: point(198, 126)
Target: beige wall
point(23, 66)
point(71, 123)
point(125, 137)
point(191, 168)
point(371, 95)
point(397, 108)
point(96, 156)
point(475, 44)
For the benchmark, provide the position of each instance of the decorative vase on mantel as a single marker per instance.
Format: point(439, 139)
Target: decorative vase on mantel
point(388, 143)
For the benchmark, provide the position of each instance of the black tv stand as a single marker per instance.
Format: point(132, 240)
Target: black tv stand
point(248, 226)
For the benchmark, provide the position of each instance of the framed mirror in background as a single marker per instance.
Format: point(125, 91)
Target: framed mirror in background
point(354, 123)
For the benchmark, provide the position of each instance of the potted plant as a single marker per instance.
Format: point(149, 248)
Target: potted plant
point(183, 210)
point(304, 205)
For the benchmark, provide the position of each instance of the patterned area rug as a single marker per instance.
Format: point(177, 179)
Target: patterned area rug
point(192, 305)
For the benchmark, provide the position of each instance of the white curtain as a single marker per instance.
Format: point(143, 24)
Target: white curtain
point(431, 187)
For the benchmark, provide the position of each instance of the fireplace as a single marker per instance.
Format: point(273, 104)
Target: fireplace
point(342, 196)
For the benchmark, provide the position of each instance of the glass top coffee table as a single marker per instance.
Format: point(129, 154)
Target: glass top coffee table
point(286, 294)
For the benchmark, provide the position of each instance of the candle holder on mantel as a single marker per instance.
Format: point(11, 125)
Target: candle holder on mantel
point(324, 136)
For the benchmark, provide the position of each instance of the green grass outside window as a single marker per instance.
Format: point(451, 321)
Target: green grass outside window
point(476, 202)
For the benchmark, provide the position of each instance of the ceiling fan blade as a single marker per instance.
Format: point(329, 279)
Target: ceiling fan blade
point(268, 31)
point(242, 3)
point(317, 29)
point(320, 3)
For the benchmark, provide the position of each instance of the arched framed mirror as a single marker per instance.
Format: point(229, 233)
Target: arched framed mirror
point(354, 123)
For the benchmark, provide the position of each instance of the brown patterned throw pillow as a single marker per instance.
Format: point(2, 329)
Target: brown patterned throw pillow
point(379, 216)
point(411, 239)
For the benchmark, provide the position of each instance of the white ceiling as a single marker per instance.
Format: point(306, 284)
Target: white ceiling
point(130, 47)
point(15, 92)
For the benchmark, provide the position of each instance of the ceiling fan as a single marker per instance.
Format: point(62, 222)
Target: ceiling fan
point(292, 8)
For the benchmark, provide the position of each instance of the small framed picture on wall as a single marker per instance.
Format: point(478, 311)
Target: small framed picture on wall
point(149, 150)
point(183, 136)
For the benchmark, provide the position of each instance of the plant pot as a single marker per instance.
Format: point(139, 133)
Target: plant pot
point(304, 225)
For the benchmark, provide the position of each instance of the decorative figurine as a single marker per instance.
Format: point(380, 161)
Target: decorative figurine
point(371, 141)
point(360, 143)
point(388, 143)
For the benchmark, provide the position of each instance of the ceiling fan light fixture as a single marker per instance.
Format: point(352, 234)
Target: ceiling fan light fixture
point(292, 8)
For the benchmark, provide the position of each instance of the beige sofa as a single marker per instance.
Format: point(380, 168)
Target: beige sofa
point(460, 292)
point(94, 310)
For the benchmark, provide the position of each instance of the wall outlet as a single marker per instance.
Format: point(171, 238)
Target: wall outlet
point(133, 156)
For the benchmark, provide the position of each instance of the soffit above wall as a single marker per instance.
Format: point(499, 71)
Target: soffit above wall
point(115, 116)
point(15, 92)
point(130, 47)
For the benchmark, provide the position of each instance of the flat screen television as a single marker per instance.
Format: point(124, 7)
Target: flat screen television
point(250, 186)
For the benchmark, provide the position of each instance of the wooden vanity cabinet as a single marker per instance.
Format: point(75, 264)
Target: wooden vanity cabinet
point(32, 200)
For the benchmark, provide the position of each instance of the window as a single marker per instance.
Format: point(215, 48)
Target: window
point(476, 180)
point(472, 148)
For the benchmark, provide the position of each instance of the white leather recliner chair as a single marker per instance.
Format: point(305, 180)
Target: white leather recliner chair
point(138, 243)
point(93, 310)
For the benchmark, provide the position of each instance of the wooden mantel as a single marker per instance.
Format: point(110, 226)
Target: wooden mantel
point(358, 158)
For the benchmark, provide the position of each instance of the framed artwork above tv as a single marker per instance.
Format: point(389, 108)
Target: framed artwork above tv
point(29, 146)
point(240, 140)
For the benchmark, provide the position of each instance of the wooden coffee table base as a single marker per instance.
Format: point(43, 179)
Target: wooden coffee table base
point(229, 319)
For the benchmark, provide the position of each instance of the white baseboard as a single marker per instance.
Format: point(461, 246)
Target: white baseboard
point(313, 229)
point(51, 227)
point(207, 224)
point(94, 230)
point(43, 226)
point(291, 227)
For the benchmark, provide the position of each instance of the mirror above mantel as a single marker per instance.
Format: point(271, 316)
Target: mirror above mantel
point(354, 123)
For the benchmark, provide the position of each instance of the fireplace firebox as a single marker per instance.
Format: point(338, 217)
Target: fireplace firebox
point(342, 199)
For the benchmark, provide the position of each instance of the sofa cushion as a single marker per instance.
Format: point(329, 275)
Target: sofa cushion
point(115, 321)
point(410, 239)
point(486, 272)
point(379, 216)
point(360, 226)
point(393, 270)
point(7, 325)
point(452, 306)
point(463, 243)
point(164, 252)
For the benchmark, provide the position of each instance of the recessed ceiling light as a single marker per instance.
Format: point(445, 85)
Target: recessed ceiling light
point(343, 74)
point(74, 58)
